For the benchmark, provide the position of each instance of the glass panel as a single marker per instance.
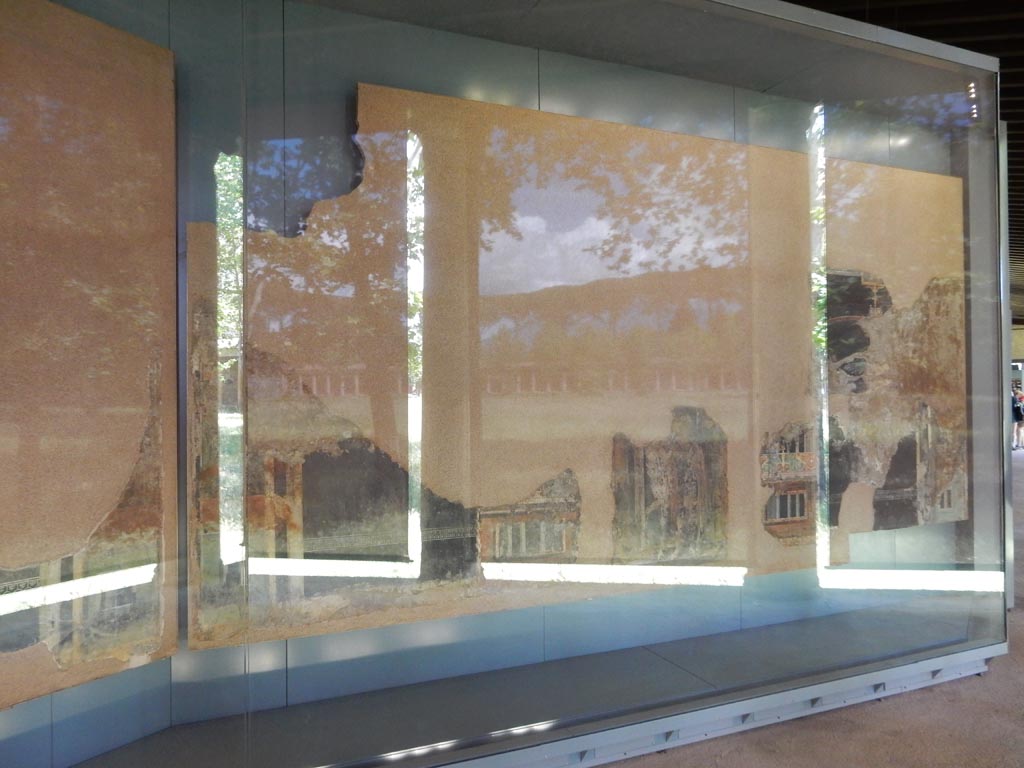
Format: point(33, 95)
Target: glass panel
point(602, 364)
point(209, 47)
point(87, 411)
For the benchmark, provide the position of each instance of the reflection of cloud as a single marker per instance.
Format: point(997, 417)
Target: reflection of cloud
point(524, 329)
point(542, 259)
point(524, 326)
point(641, 314)
point(704, 309)
point(335, 239)
point(578, 322)
point(583, 210)
point(488, 332)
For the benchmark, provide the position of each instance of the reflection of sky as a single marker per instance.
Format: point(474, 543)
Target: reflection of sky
point(560, 231)
point(945, 114)
point(640, 315)
point(544, 256)
point(525, 329)
point(704, 309)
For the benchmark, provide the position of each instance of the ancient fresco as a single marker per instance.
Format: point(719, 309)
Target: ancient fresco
point(426, 395)
point(900, 376)
point(671, 496)
point(523, 339)
point(87, 412)
point(898, 429)
point(543, 527)
point(896, 351)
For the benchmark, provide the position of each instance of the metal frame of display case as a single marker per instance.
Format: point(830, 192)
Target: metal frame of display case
point(862, 31)
point(1006, 345)
point(622, 741)
point(660, 728)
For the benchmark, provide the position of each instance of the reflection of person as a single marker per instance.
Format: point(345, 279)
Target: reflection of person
point(1017, 406)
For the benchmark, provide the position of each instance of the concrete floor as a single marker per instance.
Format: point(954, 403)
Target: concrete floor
point(977, 722)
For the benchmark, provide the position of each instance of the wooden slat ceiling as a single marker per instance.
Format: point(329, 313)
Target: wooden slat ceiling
point(992, 27)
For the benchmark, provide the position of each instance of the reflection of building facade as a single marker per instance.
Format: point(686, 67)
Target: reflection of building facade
point(324, 383)
point(537, 378)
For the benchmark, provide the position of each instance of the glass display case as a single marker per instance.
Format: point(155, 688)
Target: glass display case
point(546, 378)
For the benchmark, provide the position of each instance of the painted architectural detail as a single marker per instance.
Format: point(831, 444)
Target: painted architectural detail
point(354, 503)
point(543, 527)
point(789, 466)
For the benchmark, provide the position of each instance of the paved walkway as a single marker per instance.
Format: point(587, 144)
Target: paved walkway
point(977, 722)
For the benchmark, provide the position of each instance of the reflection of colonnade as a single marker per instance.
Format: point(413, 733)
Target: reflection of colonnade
point(522, 379)
point(528, 378)
point(329, 383)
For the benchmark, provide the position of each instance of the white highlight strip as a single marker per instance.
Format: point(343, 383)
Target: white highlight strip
point(346, 569)
point(352, 569)
point(417, 751)
point(52, 594)
point(694, 575)
point(519, 730)
point(931, 581)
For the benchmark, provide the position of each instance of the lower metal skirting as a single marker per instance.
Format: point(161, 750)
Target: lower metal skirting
point(643, 738)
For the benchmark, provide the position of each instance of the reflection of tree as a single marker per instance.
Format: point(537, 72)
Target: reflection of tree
point(336, 294)
point(945, 115)
point(86, 277)
point(228, 172)
point(286, 177)
point(670, 202)
point(414, 360)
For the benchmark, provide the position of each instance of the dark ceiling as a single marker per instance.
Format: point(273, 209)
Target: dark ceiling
point(992, 27)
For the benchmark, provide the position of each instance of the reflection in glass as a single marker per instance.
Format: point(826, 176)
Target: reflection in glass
point(87, 420)
point(228, 175)
point(541, 384)
point(523, 363)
